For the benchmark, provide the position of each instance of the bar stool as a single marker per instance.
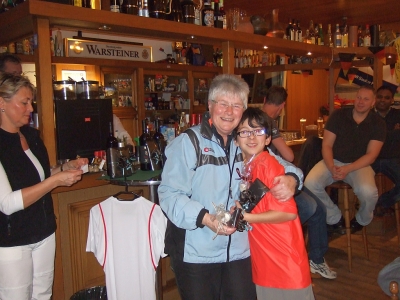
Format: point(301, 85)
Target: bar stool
point(341, 185)
point(380, 177)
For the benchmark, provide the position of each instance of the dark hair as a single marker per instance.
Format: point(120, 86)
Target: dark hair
point(7, 57)
point(276, 95)
point(256, 118)
point(387, 88)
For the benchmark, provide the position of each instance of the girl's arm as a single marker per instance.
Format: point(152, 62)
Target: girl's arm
point(271, 216)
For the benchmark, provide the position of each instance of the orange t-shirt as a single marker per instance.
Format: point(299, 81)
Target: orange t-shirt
point(278, 254)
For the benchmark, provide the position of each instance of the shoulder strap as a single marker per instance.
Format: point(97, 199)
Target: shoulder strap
point(196, 144)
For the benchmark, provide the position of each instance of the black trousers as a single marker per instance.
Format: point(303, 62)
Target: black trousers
point(214, 281)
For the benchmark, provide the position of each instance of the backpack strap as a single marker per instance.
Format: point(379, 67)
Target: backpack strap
point(196, 144)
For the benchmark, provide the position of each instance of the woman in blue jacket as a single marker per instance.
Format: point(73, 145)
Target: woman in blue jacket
point(200, 172)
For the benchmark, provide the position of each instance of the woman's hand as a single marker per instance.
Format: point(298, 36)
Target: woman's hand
point(69, 177)
point(75, 164)
point(284, 187)
point(211, 222)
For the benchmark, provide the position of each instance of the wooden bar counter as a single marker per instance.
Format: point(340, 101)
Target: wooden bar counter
point(75, 269)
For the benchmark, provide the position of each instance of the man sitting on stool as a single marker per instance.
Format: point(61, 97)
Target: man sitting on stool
point(388, 161)
point(352, 140)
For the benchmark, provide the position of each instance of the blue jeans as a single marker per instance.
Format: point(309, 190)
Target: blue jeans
point(362, 181)
point(312, 211)
point(391, 168)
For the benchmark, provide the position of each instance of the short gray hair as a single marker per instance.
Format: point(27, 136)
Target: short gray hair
point(229, 85)
point(10, 85)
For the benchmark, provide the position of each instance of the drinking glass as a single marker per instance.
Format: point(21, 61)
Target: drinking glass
point(303, 128)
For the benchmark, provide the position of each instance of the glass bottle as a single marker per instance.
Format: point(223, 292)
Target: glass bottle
point(321, 38)
point(345, 34)
point(360, 37)
point(288, 29)
point(112, 154)
point(338, 37)
point(367, 37)
point(311, 33)
point(114, 6)
point(218, 22)
point(222, 14)
point(299, 34)
point(329, 40)
point(182, 125)
point(144, 150)
point(276, 29)
point(159, 140)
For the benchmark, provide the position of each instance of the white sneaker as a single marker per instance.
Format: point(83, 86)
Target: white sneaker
point(322, 269)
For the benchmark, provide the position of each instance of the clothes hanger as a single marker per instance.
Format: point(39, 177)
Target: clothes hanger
point(132, 195)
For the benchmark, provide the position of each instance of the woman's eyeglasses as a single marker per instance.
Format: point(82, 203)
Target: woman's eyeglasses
point(255, 132)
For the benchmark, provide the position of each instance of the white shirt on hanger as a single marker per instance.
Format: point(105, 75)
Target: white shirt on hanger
point(127, 238)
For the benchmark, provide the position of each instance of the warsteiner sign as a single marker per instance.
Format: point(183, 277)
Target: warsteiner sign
point(92, 49)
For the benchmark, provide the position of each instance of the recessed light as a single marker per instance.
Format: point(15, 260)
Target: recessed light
point(105, 27)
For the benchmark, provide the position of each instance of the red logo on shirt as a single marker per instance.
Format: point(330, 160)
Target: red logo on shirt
point(208, 150)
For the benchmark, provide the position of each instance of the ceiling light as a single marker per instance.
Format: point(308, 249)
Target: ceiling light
point(105, 27)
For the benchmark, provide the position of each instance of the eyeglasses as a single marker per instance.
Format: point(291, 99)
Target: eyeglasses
point(224, 105)
point(383, 97)
point(255, 132)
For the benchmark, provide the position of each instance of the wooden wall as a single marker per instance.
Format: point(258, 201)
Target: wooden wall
point(305, 96)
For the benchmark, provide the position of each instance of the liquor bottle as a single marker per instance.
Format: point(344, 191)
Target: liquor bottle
point(250, 59)
point(112, 154)
point(236, 58)
point(222, 14)
point(299, 34)
point(345, 33)
point(311, 33)
point(207, 15)
point(218, 22)
point(144, 148)
point(316, 33)
point(288, 29)
point(321, 38)
point(329, 40)
point(145, 9)
point(338, 37)
point(367, 37)
point(360, 37)
point(293, 33)
point(265, 59)
point(159, 140)
point(182, 125)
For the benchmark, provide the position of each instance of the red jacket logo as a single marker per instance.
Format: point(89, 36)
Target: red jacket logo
point(208, 150)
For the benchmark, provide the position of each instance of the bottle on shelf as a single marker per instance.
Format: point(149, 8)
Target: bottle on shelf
point(299, 32)
point(182, 125)
point(222, 14)
point(160, 142)
point(338, 37)
point(345, 33)
point(360, 37)
point(311, 33)
point(321, 38)
point(218, 22)
point(207, 14)
point(329, 39)
point(112, 155)
point(367, 37)
point(146, 147)
point(288, 29)
point(293, 31)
